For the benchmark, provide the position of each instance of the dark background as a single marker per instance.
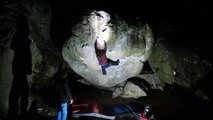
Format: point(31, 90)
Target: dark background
point(193, 18)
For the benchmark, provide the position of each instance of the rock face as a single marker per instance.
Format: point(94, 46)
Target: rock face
point(131, 44)
point(45, 56)
point(42, 56)
point(177, 63)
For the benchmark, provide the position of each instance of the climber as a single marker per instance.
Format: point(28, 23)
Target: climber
point(63, 92)
point(100, 50)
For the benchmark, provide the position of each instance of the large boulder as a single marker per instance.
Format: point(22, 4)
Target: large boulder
point(129, 42)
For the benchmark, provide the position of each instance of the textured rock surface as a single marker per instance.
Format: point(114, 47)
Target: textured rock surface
point(45, 56)
point(42, 49)
point(130, 43)
point(178, 63)
point(7, 29)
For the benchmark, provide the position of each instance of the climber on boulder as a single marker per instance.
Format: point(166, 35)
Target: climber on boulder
point(100, 50)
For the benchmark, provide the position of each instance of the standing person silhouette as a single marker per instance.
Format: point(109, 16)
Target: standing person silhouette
point(100, 50)
point(63, 93)
point(21, 67)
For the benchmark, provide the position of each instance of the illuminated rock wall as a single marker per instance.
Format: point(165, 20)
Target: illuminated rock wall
point(130, 43)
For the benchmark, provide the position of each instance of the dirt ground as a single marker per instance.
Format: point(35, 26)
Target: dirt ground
point(170, 104)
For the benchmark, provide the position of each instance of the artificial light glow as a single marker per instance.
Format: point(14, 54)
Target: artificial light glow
point(99, 21)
